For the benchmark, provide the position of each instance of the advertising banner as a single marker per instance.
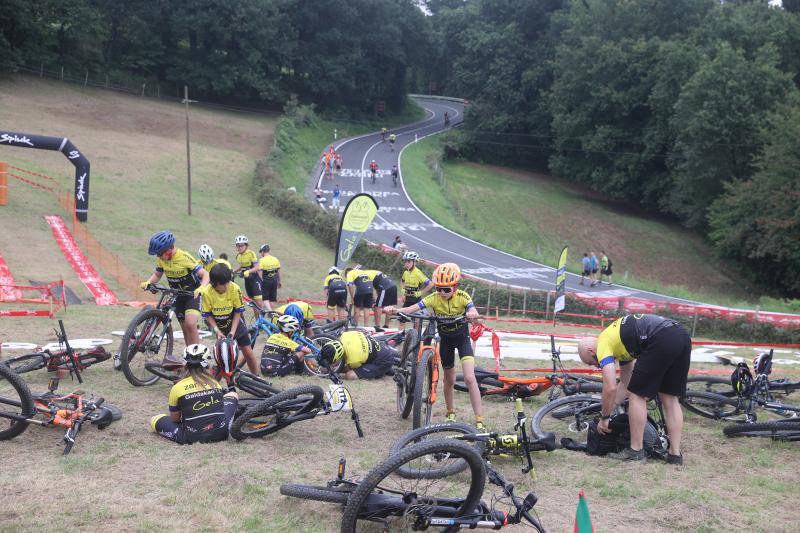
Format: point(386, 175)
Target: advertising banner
point(561, 283)
point(356, 218)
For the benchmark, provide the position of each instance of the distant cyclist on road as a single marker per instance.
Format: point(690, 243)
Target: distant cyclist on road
point(392, 139)
point(373, 169)
point(383, 135)
point(395, 174)
point(446, 119)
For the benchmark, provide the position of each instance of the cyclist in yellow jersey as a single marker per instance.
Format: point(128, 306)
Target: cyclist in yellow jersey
point(183, 272)
point(654, 355)
point(364, 358)
point(223, 309)
point(359, 285)
point(414, 282)
point(450, 301)
point(206, 255)
point(361, 282)
point(282, 355)
point(199, 409)
point(335, 288)
point(302, 311)
point(248, 267)
point(270, 276)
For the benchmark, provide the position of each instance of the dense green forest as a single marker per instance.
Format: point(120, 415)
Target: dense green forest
point(688, 108)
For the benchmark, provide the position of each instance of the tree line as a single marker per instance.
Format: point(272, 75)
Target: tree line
point(688, 108)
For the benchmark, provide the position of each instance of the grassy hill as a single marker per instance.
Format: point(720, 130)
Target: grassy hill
point(541, 214)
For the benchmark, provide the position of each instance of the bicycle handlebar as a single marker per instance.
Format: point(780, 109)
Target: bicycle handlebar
point(408, 317)
point(169, 290)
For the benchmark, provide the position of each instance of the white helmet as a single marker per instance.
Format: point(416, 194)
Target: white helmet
point(288, 324)
point(333, 270)
point(241, 239)
point(410, 256)
point(206, 253)
point(196, 355)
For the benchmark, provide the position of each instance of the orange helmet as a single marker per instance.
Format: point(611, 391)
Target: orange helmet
point(446, 275)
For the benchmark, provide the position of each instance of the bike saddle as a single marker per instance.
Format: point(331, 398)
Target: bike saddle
point(482, 373)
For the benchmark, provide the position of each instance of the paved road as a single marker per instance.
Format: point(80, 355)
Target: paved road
point(398, 215)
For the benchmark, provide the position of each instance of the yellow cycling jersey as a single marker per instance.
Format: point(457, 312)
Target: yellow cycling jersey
point(413, 281)
point(609, 344)
point(280, 344)
point(247, 259)
point(457, 305)
point(357, 348)
point(333, 282)
point(214, 262)
point(308, 313)
point(269, 265)
point(222, 306)
point(623, 339)
point(181, 270)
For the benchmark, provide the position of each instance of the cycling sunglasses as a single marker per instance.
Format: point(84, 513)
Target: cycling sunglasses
point(444, 290)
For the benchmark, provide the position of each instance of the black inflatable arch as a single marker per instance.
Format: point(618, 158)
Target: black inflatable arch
point(63, 145)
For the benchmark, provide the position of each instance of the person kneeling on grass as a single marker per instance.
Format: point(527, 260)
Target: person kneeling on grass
point(364, 357)
point(302, 311)
point(223, 309)
point(450, 301)
point(283, 356)
point(199, 409)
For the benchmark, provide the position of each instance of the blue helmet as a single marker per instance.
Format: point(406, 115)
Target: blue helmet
point(160, 242)
point(295, 311)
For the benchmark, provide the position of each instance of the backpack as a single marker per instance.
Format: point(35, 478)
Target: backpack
point(278, 365)
point(619, 438)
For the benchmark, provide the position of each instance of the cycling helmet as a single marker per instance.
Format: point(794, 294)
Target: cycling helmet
point(333, 270)
point(410, 256)
point(241, 239)
point(446, 275)
point(195, 355)
point(226, 354)
point(742, 379)
point(295, 311)
point(288, 324)
point(762, 364)
point(206, 253)
point(264, 248)
point(331, 353)
point(161, 242)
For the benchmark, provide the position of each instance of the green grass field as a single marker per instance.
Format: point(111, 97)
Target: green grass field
point(126, 478)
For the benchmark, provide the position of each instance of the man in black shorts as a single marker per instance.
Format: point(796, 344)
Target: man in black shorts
point(654, 355)
point(386, 295)
point(359, 285)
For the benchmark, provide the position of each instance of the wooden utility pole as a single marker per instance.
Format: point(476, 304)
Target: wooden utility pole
point(186, 101)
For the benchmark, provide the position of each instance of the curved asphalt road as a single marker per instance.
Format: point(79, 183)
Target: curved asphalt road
point(398, 215)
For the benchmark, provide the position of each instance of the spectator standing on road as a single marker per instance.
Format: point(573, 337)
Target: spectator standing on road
point(335, 198)
point(595, 264)
point(587, 268)
point(337, 159)
point(605, 267)
point(397, 242)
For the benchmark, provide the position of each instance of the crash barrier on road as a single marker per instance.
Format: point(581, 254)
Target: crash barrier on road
point(46, 296)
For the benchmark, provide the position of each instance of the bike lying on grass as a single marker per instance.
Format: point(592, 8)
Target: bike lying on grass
point(293, 405)
point(398, 503)
point(20, 408)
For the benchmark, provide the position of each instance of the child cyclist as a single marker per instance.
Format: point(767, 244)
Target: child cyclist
point(223, 309)
point(206, 255)
point(335, 288)
point(183, 272)
point(248, 267)
point(199, 409)
point(450, 301)
point(270, 275)
point(414, 282)
point(282, 355)
point(302, 311)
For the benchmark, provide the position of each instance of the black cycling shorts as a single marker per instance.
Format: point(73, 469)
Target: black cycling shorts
point(364, 300)
point(337, 299)
point(187, 304)
point(269, 289)
point(177, 433)
point(450, 343)
point(386, 296)
point(663, 365)
point(252, 285)
point(411, 300)
point(378, 364)
point(241, 335)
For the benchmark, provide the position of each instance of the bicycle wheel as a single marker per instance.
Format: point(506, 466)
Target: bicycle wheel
point(435, 465)
point(254, 385)
point(385, 501)
point(15, 400)
point(710, 384)
point(97, 355)
point(27, 362)
point(276, 412)
point(776, 430)
point(141, 345)
point(423, 386)
point(405, 374)
point(712, 405)
point(567, 418)
point(338, 494)
point(310, 365)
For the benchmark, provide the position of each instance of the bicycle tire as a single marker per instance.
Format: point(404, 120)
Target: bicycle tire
point(297, 400)
point(384, 470)
point(27, 363)
point(254, 385)
point(310, 366)
point(711, 405)
point(130, 336)
point(775, 429)
point(94, 357)
point(320, 494)
point(408, 364)
point(428, 433)
point(16, 392)
point(578, 407)
point(423, 383)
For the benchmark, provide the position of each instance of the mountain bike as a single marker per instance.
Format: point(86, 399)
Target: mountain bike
point(149, 336)
point(398, 503)
point(293, 405)
point(517, 444)
point(19, 408)
point(60, 360)
point(394, 178)
point(567, 419)
point(374, 174)
point(562, 380)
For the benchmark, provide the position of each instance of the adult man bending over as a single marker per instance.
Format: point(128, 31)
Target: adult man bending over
point(653, 353)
